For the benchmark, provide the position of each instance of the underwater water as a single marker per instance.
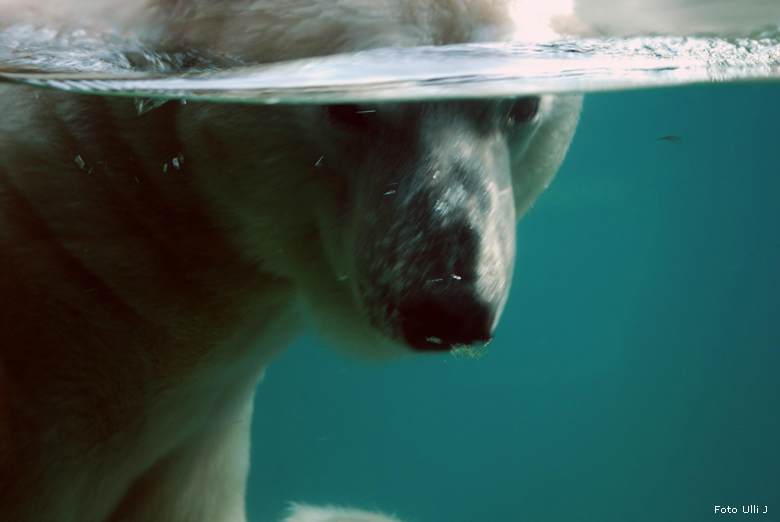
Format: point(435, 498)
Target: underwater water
point(635, 374)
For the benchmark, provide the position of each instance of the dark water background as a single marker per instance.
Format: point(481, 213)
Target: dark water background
point(635, 374)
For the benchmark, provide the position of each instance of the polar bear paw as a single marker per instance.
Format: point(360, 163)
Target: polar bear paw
point(304, 513)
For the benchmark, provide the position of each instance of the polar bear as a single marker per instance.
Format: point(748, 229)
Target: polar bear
point(151, 267)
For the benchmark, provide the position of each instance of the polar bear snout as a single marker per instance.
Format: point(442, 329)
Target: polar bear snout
point(439, 321)
point(434, 230)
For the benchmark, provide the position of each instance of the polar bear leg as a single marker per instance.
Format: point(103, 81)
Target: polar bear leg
point(303, 513)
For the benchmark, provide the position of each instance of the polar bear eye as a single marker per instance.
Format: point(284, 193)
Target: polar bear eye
point(349, 115)
point(523, 110)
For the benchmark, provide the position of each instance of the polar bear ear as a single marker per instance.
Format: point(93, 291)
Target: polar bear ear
point(304, 513)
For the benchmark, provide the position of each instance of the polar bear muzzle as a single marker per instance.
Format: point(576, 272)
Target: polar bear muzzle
point(434, 246)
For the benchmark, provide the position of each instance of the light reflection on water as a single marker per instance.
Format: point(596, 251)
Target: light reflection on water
point(106, 64)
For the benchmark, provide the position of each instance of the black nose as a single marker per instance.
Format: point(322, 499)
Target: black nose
point(441, 322)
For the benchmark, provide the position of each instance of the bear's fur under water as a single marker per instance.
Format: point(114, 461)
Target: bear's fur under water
point(152, 266)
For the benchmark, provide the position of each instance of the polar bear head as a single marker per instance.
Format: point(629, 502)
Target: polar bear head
point(435, 190)
point(395, 221)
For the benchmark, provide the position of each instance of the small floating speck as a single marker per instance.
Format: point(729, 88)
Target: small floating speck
point(434, 340)
point(165, 168)
point(366, 111)
point(456, 277)
point(439, 280)
point(136, 180)
point(175, 162)
point(183, 101)
point(319, 161)
point(389, 193)
point(181, 158)
point(80, 162)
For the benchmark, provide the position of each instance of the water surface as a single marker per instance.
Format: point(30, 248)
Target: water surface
point(106, 64)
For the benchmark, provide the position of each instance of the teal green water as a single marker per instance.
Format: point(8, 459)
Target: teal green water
point(636, 371)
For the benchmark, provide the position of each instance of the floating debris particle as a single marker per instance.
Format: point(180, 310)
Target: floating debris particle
point(434, 340)
point(366, 111)
point(165, 168)
point(183, 101)
point(456, 277)
point(175, 162)
point(389, 193)
point(80, 162)
point(319, 161)
point(672, 138)
point(181, 158)
point(439, 280)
